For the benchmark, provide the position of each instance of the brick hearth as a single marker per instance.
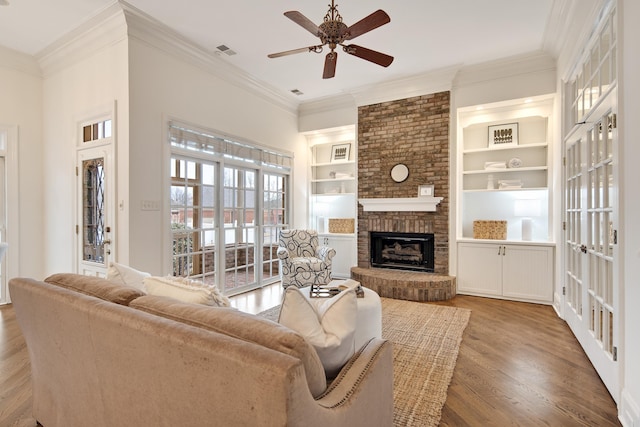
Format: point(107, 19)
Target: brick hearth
point(406, 285)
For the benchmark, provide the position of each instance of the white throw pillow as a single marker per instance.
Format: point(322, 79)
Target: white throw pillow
point(186, 290)
point(328, 324)
point(124, 275)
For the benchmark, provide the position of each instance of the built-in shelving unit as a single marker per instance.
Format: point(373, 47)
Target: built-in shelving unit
point(524, 168)
point(333, 190)
point(511, 183)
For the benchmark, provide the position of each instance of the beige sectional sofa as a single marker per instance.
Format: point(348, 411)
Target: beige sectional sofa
point(108, 355)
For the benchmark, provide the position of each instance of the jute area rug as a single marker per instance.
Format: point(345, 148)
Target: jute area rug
point(426, 339)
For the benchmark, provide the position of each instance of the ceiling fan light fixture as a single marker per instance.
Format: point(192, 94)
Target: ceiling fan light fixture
point(333, 32)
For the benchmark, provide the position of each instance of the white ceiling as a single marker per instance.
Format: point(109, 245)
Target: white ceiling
point(423, 35)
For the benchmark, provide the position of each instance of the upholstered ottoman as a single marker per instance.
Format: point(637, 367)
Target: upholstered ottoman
point(369, 316)
point(336, 326)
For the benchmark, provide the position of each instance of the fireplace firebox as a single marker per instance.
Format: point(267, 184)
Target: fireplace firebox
point(407, 251)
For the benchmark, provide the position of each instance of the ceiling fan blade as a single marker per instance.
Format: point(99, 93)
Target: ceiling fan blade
point(317, 49)
point(368, 23)
point(330, 65)
point(368, 54)
point(304, 22)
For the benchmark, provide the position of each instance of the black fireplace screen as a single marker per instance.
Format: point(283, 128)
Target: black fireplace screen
point(409, 251)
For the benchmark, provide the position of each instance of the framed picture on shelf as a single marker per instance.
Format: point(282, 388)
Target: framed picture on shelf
point(340, 153)
point(503, 135)
point(425, 190)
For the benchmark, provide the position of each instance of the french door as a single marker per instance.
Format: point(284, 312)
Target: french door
point(225, 222)
point(240, 224)
point(591, 278)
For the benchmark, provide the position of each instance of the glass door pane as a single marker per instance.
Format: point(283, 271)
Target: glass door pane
point(93, 213)
point(573, 208)
point(193, 219)
point(274, 220)
point(239, 205)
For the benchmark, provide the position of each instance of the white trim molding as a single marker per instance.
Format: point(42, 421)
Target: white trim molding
point(408, 204)
point(629, 412)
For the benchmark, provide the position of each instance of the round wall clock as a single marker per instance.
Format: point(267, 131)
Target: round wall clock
point(399, 172)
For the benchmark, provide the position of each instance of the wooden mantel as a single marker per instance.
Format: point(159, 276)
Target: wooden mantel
point(408, 204)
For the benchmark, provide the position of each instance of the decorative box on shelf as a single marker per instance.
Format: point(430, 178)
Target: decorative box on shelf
point(493, 230)
point(342, 225)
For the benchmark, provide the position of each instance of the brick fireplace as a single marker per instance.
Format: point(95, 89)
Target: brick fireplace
point(415, 132)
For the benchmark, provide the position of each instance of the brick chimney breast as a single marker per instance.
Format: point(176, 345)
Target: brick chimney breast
point(415, 132)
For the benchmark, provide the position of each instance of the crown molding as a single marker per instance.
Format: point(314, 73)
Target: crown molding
point(148, 30)
point(530, 63)
point(338, 102)
point(415, 85)
point(557, 30)
point(19, 61)
point(120, 21)
point(104, 29)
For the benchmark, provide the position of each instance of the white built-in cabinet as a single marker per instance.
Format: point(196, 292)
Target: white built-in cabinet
point(518, 271)
point(518, 267)
point(332, 193)
point(346, 256)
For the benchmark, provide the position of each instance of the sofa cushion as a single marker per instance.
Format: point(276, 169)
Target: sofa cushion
point(244, 326)
point(329, 324)
point(96, 287)
point(185, 290)
point(124, 275)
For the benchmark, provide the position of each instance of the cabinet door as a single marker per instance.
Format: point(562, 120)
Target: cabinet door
point(345, 257)
point(527, 273)
point(479, 269)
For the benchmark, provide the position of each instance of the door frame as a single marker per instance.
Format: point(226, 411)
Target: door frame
point(11, 260)
point(96, 147)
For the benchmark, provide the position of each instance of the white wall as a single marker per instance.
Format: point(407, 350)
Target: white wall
point(629, 133)
point(21, 106)
point(165, 86)
point(87, 85)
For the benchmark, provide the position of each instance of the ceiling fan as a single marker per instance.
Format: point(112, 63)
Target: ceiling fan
point(334, 32)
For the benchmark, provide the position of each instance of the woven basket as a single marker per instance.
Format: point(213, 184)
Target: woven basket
point(493, 230)
point(342, 225)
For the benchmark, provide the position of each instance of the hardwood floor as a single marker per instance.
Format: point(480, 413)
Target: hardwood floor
point(518, 365)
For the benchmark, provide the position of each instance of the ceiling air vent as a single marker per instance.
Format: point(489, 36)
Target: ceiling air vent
point(225, 49)
point(296, 92)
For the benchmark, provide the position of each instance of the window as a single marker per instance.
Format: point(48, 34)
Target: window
point(219, 188)
point(96, 131)
point(595, 75)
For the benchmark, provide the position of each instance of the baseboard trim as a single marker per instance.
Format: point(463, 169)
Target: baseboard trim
point(628, 411)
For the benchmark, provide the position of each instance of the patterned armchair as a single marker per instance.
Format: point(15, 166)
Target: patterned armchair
point(302, 260)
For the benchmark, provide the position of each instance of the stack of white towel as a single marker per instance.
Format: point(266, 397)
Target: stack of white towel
point(508, 184)
point(495, 165)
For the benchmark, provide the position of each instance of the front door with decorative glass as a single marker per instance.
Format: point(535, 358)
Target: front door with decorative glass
point(94, 229)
